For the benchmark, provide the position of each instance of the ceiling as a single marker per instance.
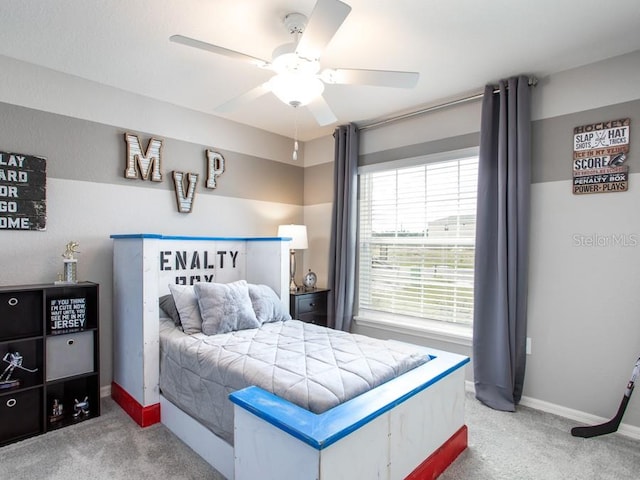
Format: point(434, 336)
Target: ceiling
point(457, 46)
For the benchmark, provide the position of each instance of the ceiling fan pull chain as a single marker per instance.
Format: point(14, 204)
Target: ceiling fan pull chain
point(295, 134)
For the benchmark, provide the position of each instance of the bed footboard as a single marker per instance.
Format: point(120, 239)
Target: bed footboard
point(410, 427)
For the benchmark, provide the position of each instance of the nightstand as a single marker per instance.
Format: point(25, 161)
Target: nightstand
point(309, 306)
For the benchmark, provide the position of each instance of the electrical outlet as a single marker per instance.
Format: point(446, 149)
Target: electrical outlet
point(528, 345)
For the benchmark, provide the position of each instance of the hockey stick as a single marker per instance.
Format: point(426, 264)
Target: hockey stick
point(613, 424)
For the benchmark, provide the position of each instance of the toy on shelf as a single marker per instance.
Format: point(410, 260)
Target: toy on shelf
point(14, 359)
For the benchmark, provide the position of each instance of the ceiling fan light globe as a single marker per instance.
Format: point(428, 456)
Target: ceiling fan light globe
point(289, 62)
point(280, 54)
point(296, 89)
point(329, 75)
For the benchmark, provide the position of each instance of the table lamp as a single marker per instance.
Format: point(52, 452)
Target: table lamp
point(298, 236)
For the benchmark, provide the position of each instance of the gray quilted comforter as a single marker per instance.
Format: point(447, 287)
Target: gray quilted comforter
point(314, 367)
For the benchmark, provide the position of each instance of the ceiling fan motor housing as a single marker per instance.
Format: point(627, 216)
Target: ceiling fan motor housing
point(295, 23)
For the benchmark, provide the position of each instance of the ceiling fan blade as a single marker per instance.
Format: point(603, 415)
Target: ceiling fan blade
point(321, 111)
point(192, 42)
point(245, 98)
point(324, 22)
point(379, 78)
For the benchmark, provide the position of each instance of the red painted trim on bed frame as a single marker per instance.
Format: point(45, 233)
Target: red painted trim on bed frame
point(444, 456)
point(143, 416)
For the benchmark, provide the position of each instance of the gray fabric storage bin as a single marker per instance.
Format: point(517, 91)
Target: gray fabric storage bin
point(69, 354)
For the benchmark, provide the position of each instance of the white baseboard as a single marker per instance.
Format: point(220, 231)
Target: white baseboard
point(580, 417)
point(105, 391)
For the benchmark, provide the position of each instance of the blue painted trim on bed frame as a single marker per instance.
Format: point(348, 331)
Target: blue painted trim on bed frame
point(321, 430)
point(180, 237)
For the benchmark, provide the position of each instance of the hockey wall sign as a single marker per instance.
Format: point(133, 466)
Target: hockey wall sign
point(600, 152)
point(23, 192)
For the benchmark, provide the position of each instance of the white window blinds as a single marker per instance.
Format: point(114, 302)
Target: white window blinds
point(417, 240)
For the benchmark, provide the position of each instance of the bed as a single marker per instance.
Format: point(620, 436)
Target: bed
point(406, 423)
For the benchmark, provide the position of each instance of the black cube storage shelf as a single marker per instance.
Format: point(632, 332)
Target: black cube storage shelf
point(53, 328)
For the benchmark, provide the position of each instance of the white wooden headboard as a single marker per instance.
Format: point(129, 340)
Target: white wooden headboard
point(143, 267)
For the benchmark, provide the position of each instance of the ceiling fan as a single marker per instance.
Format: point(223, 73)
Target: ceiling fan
point(298, 80)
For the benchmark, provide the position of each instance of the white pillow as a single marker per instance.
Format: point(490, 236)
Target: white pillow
point(186, 302)
point(225, 307)
point(267, 305)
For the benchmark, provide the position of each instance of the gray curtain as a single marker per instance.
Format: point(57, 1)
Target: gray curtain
point(342, 243)
point(502, 244)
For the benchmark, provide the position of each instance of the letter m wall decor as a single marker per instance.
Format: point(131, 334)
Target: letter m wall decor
point(146, 165)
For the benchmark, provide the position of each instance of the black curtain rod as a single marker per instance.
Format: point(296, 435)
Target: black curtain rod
point(476, 96)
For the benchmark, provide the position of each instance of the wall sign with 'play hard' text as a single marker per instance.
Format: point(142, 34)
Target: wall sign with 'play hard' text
point(600, 153)
point(23, 192)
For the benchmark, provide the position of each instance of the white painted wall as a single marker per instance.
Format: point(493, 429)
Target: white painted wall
point(43, 89)
point(89, 212)
point(584, 306)
point(591, 86)
point(317, 218)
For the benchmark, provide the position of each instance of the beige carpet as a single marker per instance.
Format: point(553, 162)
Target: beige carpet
point(111, 446)
point(526, 445)
point(533, 445)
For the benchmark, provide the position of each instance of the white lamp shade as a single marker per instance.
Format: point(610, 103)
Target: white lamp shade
point(297, 234)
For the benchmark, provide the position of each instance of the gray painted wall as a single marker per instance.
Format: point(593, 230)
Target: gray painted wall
point(93, 152)
point(551, 147)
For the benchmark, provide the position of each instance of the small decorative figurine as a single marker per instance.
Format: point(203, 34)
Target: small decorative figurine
point(81, 409)
point(70, 264)
point(14, 359)
point(71, 250)
point(57, 411)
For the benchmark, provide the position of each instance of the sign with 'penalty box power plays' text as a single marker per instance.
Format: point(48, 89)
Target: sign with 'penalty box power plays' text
point(600, 154)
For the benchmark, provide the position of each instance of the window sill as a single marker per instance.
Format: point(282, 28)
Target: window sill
point(434, 330)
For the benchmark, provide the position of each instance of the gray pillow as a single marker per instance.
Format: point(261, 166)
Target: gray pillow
point(267, 305)
point(225, 307)
point(168, 306)
point(186, 302)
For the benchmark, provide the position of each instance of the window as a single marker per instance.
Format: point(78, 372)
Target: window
point(417, 237)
